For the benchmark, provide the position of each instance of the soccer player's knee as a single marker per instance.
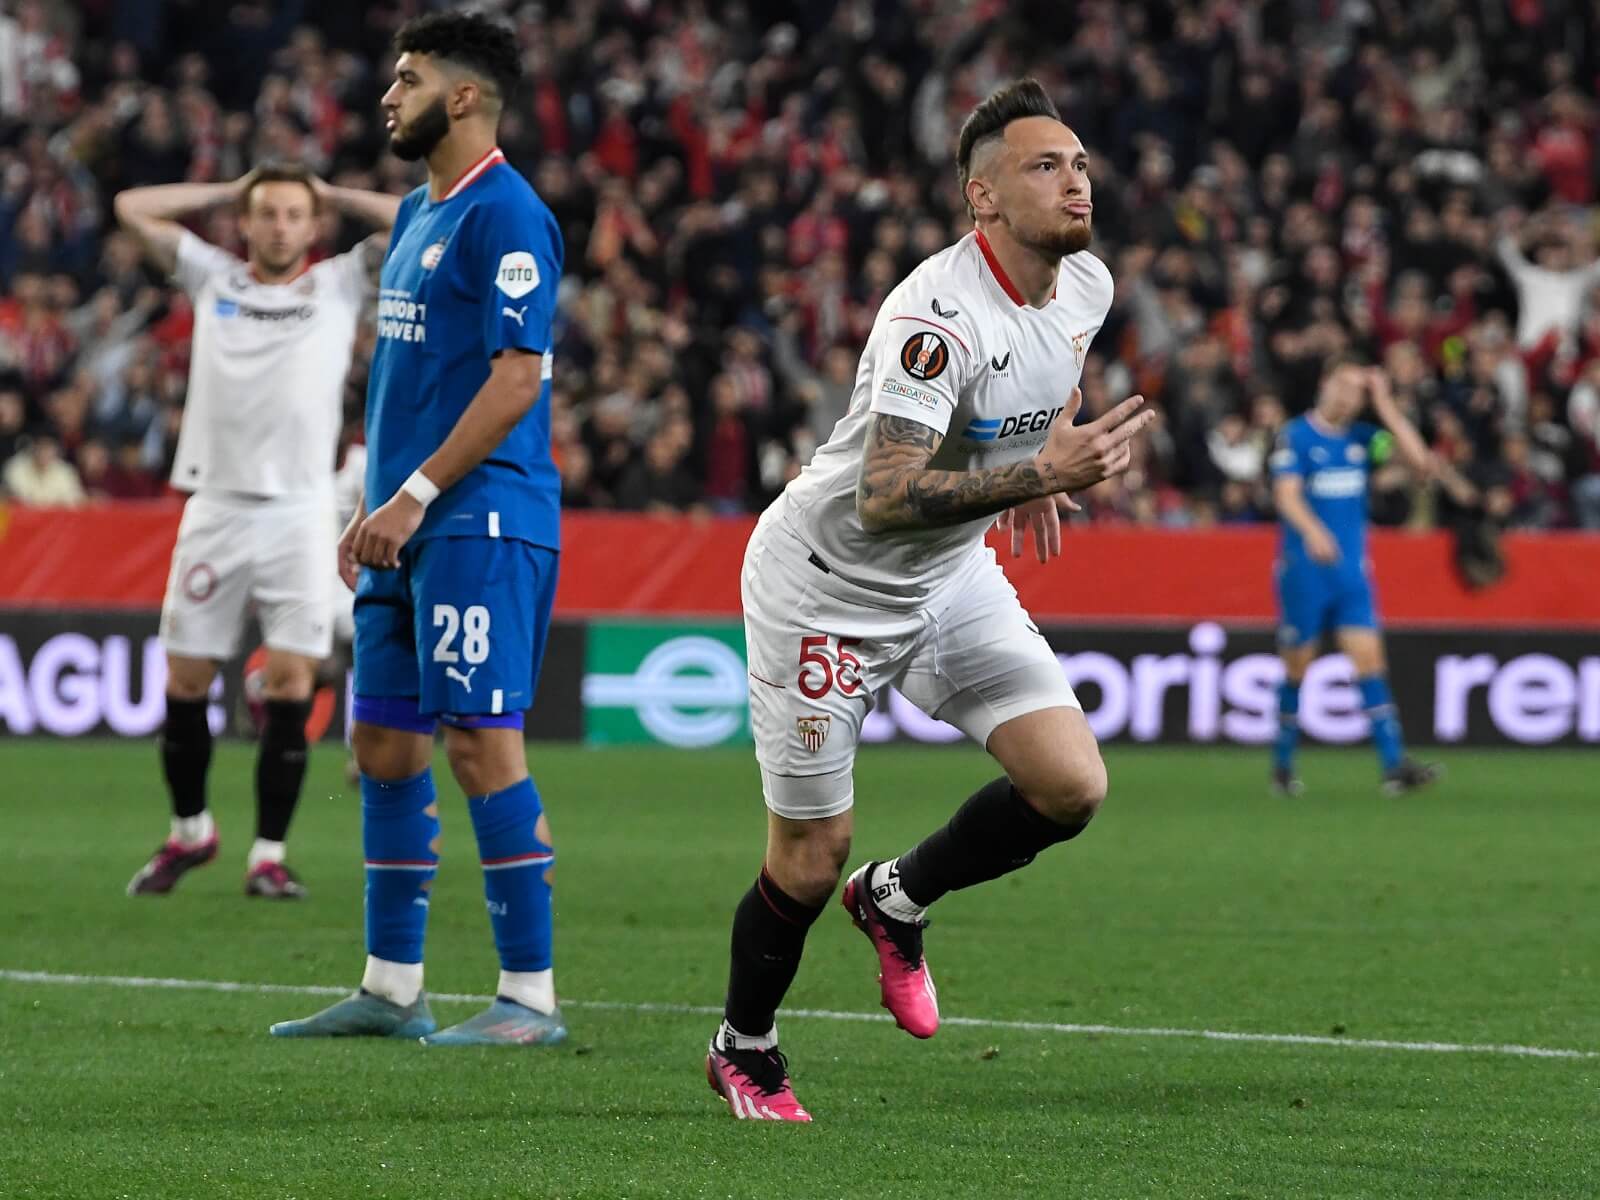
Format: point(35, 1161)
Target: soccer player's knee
point(188, 679)
point(383, 753)
point(469, 761)
point(811, 867)
point(1072, 791)
point(366, 741)
point(292, 681)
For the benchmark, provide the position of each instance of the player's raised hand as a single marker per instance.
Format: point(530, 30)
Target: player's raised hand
point(1380, 390)
point(349, 565)
point(380, 536)
point(1082, 455)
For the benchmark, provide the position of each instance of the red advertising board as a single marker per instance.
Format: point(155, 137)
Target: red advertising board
point(115, 557)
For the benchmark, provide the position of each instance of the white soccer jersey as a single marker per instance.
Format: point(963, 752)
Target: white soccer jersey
point(266, 373)
point(956, 347)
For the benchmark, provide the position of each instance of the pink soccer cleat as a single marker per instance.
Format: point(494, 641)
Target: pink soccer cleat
point(169, 864)
point(274, 881)
point(903, 975)
point(755, 1083)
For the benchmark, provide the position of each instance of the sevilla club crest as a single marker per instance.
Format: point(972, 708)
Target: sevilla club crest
point(813, 731)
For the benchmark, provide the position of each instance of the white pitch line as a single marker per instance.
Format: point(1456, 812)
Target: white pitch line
point(823, 1014)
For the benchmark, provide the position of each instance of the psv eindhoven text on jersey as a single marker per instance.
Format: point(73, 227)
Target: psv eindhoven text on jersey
point(957, 348)
point(467, 276)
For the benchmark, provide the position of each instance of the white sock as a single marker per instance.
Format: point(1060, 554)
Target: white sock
point(400, 983)
point(264, 852)
point(194, 831)
point(892, 902)
point(729, 1038)
point(531, 989)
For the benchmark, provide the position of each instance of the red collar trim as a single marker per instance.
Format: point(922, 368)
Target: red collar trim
point(470, 175)
point(1000, 275)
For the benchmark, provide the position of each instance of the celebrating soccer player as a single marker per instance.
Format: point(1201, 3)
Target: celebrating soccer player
point(871, 570)
point(272, 343)
point(1319, 484)
point(456, 540)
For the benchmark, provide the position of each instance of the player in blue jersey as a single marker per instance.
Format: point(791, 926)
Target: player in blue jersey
point(1319, 483)
point(457, 542)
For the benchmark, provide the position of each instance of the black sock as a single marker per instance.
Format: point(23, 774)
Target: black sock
point(994, 833)
point(280, 767)
point(186, 754)
point(769, 934)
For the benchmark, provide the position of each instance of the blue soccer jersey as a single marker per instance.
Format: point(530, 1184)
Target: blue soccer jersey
point(1332, 464)
point(458, 629)
point(466, 277)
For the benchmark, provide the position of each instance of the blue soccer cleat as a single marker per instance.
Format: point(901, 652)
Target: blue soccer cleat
point(363, 1015)
point(504, 1023)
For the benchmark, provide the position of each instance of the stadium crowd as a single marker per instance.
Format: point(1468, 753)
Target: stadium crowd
point(739, 185)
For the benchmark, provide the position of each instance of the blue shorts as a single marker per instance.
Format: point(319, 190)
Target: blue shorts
point(460, 627)
point(1317, 598)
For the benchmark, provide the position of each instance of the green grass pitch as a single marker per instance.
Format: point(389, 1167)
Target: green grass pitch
point(1470, 915)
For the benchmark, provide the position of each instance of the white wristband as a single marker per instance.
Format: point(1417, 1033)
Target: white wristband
point(420, 488)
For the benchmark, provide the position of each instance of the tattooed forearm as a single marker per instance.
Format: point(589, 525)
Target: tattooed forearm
point(896, 490)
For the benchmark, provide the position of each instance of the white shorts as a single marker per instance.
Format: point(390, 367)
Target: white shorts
point(973, 658)
point(235, 553)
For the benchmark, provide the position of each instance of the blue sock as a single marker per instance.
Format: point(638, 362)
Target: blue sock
point(400, 837)
point(1288, 726)
point(515, 865)
point(1375, 698)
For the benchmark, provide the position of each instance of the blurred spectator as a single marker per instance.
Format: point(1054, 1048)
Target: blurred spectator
point(1584, 414)
point(731, 466)
point(1552, 289)
point(740, 186)
point(115, 474)
point(37, 475)
point(659, 481)
point(13, 417)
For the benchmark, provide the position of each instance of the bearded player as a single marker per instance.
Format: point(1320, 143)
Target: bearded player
point(456, 541)
point(273, 335)
point(871, 570)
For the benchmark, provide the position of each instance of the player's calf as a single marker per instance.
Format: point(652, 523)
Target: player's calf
point(998, 830)
point(995, 832)
point(280, 773)
point(769, 936)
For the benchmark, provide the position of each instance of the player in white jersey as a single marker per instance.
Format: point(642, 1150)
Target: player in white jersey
point(272, 341)
point(871, 570)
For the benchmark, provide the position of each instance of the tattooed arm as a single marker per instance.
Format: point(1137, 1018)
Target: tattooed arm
point(898, 490)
